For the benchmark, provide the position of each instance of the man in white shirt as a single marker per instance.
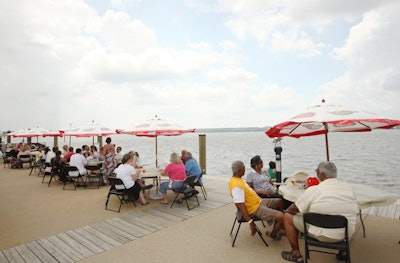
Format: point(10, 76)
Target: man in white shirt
point(79, 161)
point(332, 197)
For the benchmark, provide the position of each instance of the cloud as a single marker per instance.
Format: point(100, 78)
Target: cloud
point(370, 53)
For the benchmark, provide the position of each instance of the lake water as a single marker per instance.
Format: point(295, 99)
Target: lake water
point(370, 158)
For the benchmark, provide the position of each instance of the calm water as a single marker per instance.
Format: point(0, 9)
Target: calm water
point(370, 158)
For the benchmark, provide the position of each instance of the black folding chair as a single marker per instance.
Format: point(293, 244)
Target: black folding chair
point(239, 218)
point(187, 191)
point(94, 175)
point(118, 189)
point(50, 171)
point(330, 222)
point(200, 184)
point(74, 177)
point(39, 164)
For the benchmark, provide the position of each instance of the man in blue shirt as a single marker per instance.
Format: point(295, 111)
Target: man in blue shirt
point(192, 167)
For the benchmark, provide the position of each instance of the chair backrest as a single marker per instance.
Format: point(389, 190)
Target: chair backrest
point(25, 158)
point(190, 180)
point(116, 183)
point(73, 171)
point(325, 221)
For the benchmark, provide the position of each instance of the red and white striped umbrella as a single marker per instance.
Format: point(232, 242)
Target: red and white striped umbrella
point(35, 132)
point(156, 127)
point(88, 130)
point(322, 119)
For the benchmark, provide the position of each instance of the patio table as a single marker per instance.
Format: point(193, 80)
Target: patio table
point(365, 196)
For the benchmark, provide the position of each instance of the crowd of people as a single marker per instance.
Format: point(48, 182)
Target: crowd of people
point(256, 196)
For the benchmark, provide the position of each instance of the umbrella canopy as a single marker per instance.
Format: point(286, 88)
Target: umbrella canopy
point(322, 119)
point(88, 130)
point(156, 127)
point(35, 132)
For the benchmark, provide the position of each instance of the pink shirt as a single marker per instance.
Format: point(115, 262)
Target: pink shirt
point(176, 171)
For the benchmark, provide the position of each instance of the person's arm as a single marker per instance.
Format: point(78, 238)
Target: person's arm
point(242, 208)
point(135, 176)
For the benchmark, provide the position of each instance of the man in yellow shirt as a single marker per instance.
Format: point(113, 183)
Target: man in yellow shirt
point(250, 204)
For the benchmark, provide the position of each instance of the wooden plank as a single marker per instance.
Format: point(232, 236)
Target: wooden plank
point(109, 231)
point(26, 254)
point(119, 231)
point(124, 226)
point(81, 249)
point(55, 251)
point(65, 248)
point(138, 229)
point(87, 243)
point(151, 219)
point(142, 222)
point(102, 236)
point(3, 258)
point(94, 239)
point(173, 218)
point(13, 256)
point(40, 252)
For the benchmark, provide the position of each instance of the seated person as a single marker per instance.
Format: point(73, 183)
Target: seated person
point(249, 203)
point(192, 167)
point(79, 161)
point(67, 157)
point(127, 173)
point(259, 180)
point(86, 152)
point(58, 167)
point(272, 170)
point(12, 156)
point(330, 196)
point(94, 153)
point(177, 175)
point(118, 156)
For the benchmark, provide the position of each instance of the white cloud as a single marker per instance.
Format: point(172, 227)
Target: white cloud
point(371, 54)
point(295, 41)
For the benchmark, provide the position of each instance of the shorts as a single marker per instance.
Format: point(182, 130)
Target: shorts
point(267, 210)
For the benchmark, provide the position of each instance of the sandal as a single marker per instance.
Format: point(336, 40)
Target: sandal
point(145, 203)
point(163, 203)
point(276, 237)
point(287, 255)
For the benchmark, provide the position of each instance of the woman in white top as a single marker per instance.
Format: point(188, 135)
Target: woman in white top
point(127, 173)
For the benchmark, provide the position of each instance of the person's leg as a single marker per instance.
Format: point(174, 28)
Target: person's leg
point(292, 224)
point(271, 216)
point(163, 190)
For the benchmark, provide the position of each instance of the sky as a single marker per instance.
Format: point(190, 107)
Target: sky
point(200, 64)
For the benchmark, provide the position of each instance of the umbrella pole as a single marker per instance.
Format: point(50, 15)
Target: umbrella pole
point(156, 153)
point(327, 146)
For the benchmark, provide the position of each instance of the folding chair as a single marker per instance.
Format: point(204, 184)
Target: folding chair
point(25, 158)
point(94, 175)
point(187, 191)
point(118, 189)
point(326, 221)
point(6, 161)
point(39, 164)
point(239, 218)
point(50, 171)
point(73, 176)
point(200, 184)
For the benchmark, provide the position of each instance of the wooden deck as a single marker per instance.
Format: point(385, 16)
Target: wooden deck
point(77, 244)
